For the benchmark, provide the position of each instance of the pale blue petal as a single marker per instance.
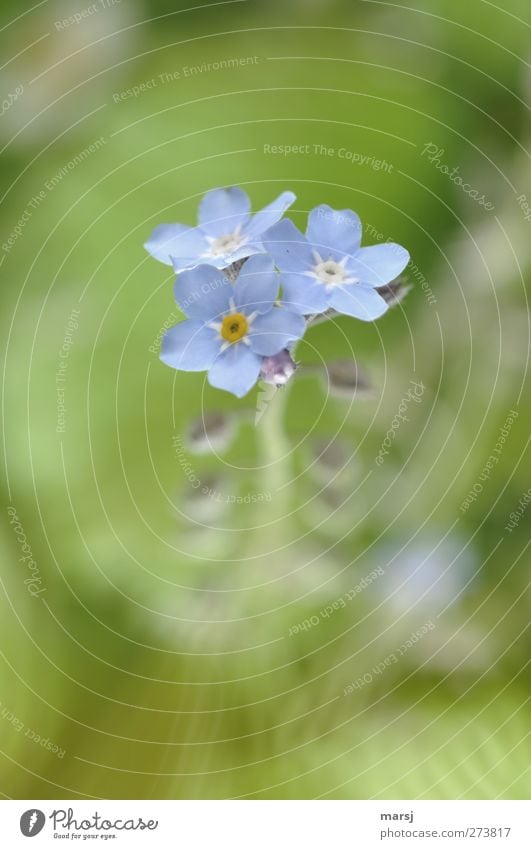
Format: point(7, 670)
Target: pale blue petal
point(190, 346)
point(224, 260)
point(256, 288)
point(275, 330)
point(336, 230)
point(236, 370)
point(203, 293)
point(358, 300)
point(269, 215)
point(378, 264)
point(288, 247)
point(304, 294)
point(223, 210)
point(176, 240)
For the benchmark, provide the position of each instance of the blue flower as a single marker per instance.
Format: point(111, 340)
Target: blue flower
point(226, 231)
point(230, 328)
point(328, 269)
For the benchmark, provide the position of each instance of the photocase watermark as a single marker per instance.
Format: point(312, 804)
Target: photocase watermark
point(420, 278)
point(208, 491)
point(32, 822)
point(523, 203)
point(306, 149)
point(83, 14)
point(19, 726)
point(74, 162)
point(38, 199)
point(354, 157)
point(187, 71)
point(336, 217)
point(491, 462)
point(34, 582)
point(516, 515)
point(71, 326)
point(206, 289)
point(434, 155)
point(390, 660)
point(64, 825)
point(336, 605)
point(414, 394)
point(65, 820)
point(175, 317)
point(373, 233)
point(172, 319)
point(229, 498)
point(17, 231)
point(10, 99)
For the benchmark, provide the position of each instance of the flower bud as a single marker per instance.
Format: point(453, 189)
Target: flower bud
point(345, 378)
point(278, 369)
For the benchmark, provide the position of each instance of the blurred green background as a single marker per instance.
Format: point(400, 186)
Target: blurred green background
point(158, 658)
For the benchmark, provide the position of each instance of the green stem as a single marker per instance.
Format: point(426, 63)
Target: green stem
point(275, 457)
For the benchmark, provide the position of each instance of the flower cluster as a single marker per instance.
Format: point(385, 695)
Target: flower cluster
point(249, 285)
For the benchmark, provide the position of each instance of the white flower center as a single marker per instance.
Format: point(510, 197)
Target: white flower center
point(225, 244)
point(331, 273)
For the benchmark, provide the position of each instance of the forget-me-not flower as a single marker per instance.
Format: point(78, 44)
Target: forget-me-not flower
point(230, 327)
point(328, 269)
point(226, 231)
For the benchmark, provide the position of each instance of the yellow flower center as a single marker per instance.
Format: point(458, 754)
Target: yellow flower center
point(234, 327)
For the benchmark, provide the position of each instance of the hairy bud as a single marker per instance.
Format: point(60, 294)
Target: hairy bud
point(278, 369)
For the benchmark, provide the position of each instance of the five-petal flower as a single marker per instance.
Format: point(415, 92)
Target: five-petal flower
point(230, 328)
point(328, 269)
point(226, 231)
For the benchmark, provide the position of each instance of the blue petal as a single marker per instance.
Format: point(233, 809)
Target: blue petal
point(203, 293)
point(269, 215)
point(337, 230)
point(223, 210)
point(304, 294)
point(275, 330)
point(236, 370)
point(176, 240)
point(288, 247)
point(224, 260)
point(190, 346)
point(378, 264)
point(358, 300)
point(256, 288)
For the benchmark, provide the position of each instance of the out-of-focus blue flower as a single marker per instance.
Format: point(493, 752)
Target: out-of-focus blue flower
point(230, 328)
point(225, 234)
point(328, 268)
point(426, 574)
